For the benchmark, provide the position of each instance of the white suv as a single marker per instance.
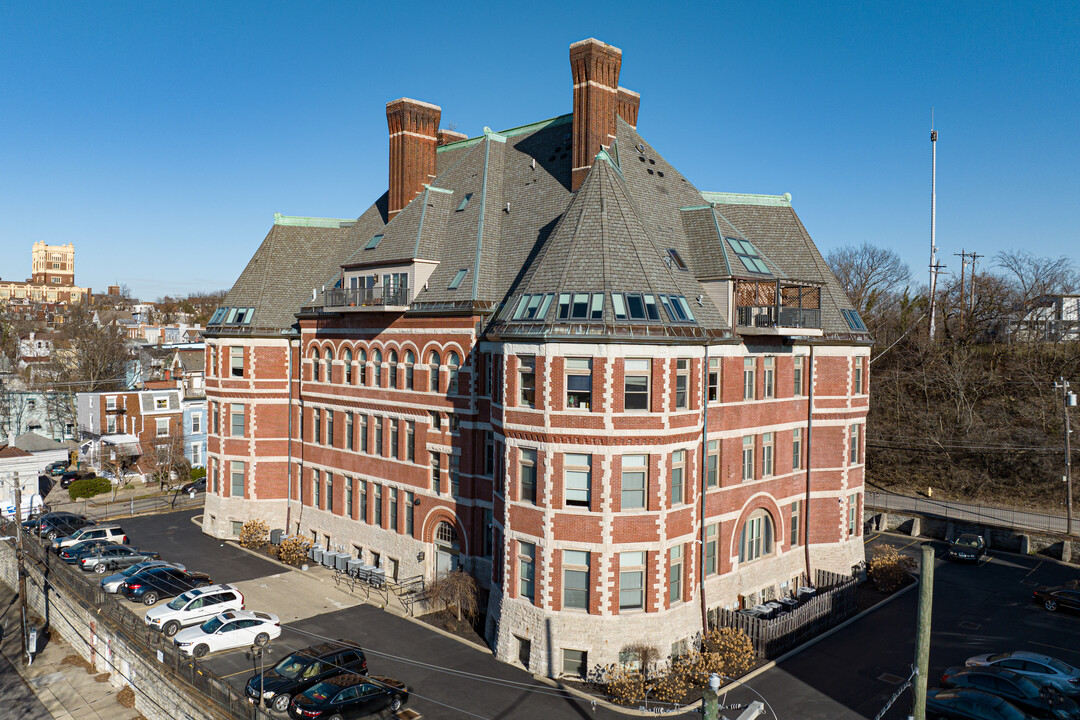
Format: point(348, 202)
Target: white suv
point(194, 607)
point(109, 533)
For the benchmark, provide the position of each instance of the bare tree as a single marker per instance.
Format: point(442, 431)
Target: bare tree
point(92, 357)
point(1035, 277)
point(166, 457)
point(458, 590)
point(14, 408)
point(61, 411)
point(872, 277)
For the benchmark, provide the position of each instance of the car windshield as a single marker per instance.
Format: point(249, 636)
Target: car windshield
point(999, 656)
point(967, 541)
point(178, 603)
point(292, 666)
point(1009, 712)
point(1027, 687)
point(212, 625)
point(1059, 666)
point(322, 691)
point(139, 567)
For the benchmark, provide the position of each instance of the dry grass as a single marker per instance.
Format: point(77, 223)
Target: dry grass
point(78, 661)
point(126, 697)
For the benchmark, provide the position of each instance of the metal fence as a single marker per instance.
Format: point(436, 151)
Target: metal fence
point(137, 635)
point(966, 512)
point(833, 603)
point(99, 510)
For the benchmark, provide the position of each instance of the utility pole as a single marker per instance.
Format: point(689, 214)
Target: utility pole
point(963, 266)
point(933, 225)
point(1068, 400)
point(922, 636)
point(971, 303)
point(19, 555)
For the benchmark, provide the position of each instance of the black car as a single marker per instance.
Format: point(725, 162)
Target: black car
point(967, 704)
point(349, 696)
point(1041, 701)
point(1062, 597)
point(969, 547)
point(295, 673)
point(73, 553)
point(163, 581)
point(57, 525)
point(197, 486)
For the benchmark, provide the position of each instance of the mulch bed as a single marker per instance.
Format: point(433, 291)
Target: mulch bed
point(447, 620)
point(867, 596)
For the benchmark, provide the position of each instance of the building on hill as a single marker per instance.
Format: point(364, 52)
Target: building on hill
point(52, 279)
point(544, 356)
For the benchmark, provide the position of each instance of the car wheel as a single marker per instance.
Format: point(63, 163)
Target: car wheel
point(261, 639)
point(335, 717)
point(200, 650)
point(51, 535)
point(281, 702)
point(171, 628)
point(395, 704)
point(150, 598)
point(100, 568)
point(1050, 605)
point(200, 584)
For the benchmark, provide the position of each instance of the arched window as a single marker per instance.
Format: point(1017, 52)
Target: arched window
point(756, 539)
point(433, 361)
point(452, 363)
point(445, 534)
point(328, 360)
point(361, 364)
point(410, 360)
point(316, 368)
point(347, 359)
point(391, 360)
point(376, 364)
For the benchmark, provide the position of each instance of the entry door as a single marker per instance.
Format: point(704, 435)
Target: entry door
point(444, 561)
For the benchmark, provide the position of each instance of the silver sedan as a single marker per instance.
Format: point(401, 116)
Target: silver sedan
point(111, 583)
point(1042, 669)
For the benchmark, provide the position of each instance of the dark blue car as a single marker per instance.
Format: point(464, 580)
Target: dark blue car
point(159, 582)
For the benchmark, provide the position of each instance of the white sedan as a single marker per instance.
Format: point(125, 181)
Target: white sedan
point(232, 629)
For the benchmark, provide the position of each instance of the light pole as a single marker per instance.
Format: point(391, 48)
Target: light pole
point(260, 653)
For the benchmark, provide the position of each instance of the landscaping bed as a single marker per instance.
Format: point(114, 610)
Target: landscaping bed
point(447, 621)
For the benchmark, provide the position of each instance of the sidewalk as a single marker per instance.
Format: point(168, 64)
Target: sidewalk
point(63, 691)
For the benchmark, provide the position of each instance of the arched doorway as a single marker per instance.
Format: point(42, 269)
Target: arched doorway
point(446, 549)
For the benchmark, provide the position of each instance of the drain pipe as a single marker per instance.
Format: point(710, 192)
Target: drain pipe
point(704, 481)
point(289, 467)
point(809, 464)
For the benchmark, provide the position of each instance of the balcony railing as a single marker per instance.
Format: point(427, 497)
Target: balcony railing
point(764, 316)
point(366, 297)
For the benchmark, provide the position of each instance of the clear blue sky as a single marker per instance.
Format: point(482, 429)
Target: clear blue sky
point(160, 137)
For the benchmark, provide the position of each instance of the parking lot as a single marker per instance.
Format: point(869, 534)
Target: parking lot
point(850, 674)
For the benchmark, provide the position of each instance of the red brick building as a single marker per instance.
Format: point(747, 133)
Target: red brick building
point(128, 423)
point(545, 356)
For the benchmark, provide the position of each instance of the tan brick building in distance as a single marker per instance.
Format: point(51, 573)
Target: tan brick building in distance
point(545, 356)
point(52, 278)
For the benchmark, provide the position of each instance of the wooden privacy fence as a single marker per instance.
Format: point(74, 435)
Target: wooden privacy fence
point(833, 603)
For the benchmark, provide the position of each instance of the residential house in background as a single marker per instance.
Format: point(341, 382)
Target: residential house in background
point(128, 424)
point(1054, 318)
point(546, 357)
point(195, 430)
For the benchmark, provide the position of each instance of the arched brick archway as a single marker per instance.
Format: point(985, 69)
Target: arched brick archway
point(431, 522)
point(761, 501)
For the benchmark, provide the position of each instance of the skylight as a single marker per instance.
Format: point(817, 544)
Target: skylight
point(853, 320)
point(464, 202)
point(581, 306)
point(635, 306)
point(458, 278)
point(749, 256)
point(232, 316)
point(533, 307)
point(373, 242)
point(676, 258)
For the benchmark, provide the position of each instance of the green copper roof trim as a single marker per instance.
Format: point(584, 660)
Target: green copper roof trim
point(603, 155)
point(420, 226)
point(722, 198)
point(497, 137)
point(512, 132)
point(480, 229)
point(720, 239)
point(438, 189)
point(695, 207)
point(292, 221)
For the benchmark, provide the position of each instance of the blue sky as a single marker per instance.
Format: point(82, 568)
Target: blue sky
point(161, 137)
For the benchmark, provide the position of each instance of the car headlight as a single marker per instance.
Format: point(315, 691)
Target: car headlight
point(267, 695)
point(156, 621)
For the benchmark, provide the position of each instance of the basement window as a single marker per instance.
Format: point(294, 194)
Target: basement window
point(374, 242)
point(458, 278)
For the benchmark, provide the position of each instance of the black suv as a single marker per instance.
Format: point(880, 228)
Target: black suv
point(61, 524)
point(297, 672)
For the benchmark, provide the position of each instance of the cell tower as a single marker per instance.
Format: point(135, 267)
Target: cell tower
point(933, 227)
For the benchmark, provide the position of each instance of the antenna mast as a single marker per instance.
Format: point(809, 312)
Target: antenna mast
point(933, 225)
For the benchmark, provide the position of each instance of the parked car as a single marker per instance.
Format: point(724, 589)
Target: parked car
point(231, 629)
point(112, 533)
point(301, 670)
point(71, 476)
point(62, 524)
point(73, 553)
point(158, 582)
point(111, 583)
point(967, 704)
point(56, 468)
point(1043, 669)
point(1043, 701)
point(1057, 598)
point(196, 486)
point(967, 547)
point(114, 557)
point(349, 696)
point(194, 608)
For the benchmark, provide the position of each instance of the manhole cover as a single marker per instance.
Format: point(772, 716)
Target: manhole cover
point(970, 625)
point(890, 678)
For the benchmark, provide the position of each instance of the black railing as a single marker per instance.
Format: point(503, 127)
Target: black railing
point(764, 316)
point(366, 297)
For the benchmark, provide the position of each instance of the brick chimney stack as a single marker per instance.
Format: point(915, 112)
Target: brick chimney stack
point(626, 106)
point(595, 67)
point(445, 137)
point(413, 126)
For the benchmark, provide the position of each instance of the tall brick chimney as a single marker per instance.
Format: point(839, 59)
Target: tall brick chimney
point(626, 106)
point(413, 126)
point(595, 67)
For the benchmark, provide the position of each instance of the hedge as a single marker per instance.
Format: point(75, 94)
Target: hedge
point(89, 487)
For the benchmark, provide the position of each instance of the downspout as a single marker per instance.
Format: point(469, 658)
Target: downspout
point(288, 480)
point(809, 462)
point(704, 480)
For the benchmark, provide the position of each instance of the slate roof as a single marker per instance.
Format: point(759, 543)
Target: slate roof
point(500, 208)
point(31, 442)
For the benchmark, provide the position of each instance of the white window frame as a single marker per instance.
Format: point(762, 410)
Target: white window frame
point(162, 427)
point(576, 564)
point(633, 468)
point(749, 378)
point(576, 369)
point(577, 480)
point(678, 478)
point(527, 381)
point(637, 368)
point(632, 579)
point(769, 381)
point(196, 423)
point(682, 383)
point(768, 453)
point(748, 457)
